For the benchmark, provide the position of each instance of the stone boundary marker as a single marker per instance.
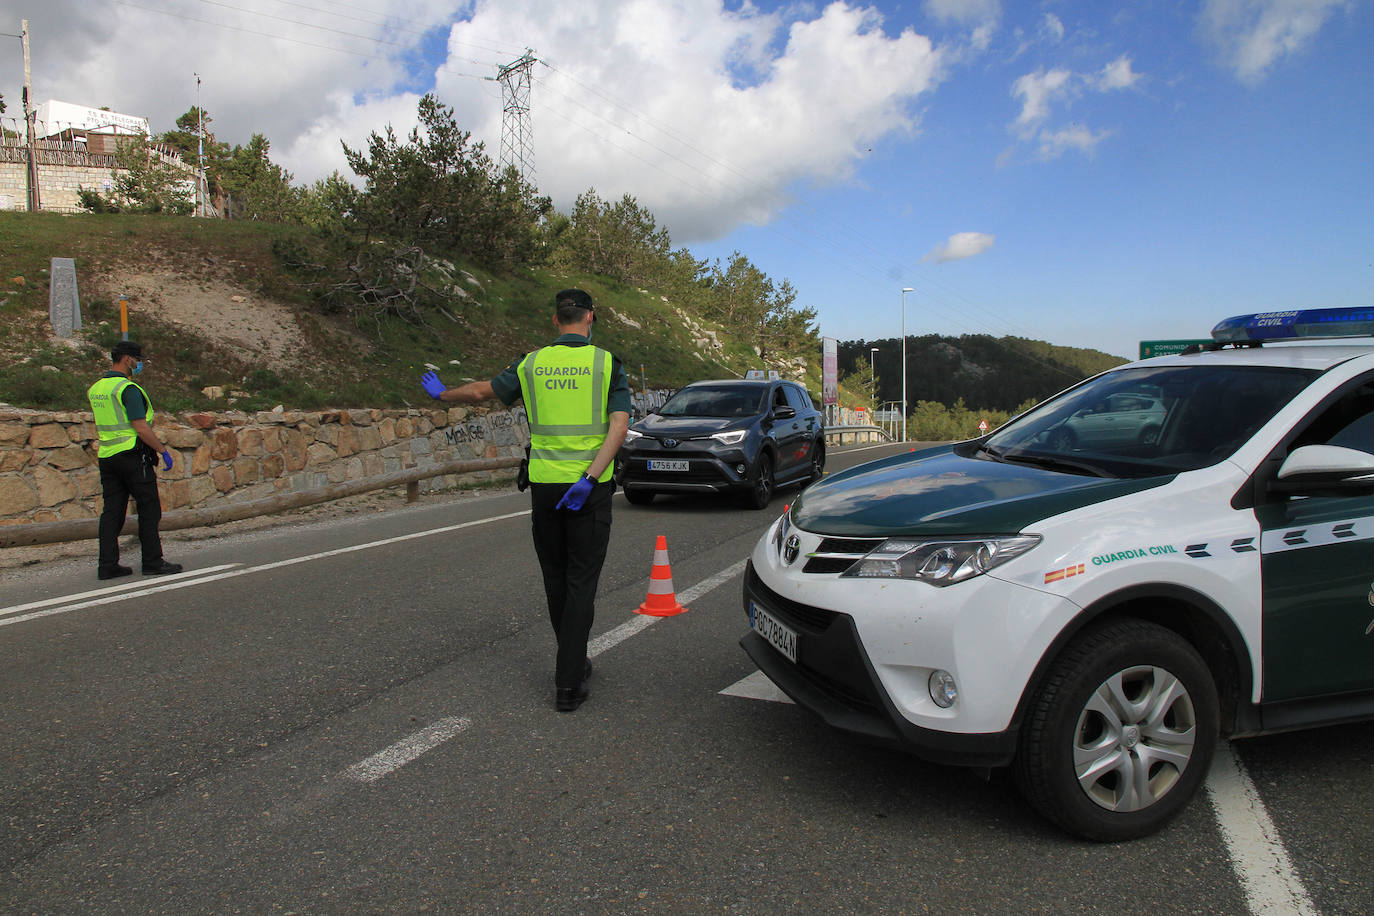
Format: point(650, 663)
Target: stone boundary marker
point(49, 474)
point(64, 305)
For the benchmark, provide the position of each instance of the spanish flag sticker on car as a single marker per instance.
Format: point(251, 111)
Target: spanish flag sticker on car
point(1065, 573)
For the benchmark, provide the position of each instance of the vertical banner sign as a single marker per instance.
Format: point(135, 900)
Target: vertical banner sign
point(830, 381)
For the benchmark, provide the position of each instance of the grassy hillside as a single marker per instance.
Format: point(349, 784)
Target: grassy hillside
point(216, 309)
point(331, 361)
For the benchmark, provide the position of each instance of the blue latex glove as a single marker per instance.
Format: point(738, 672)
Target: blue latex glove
point(577, 494)
point(166, 459)
point(433, 387)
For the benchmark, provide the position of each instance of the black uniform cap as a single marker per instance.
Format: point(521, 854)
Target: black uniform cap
point(125, 348)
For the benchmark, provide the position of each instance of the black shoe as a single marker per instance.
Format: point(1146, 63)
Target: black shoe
point(113, 573)
point(566, 699)
point(162, 569)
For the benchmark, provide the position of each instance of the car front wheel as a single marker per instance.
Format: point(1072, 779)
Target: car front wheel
point(1121, 733)
point(761, 486)
point(817, 462)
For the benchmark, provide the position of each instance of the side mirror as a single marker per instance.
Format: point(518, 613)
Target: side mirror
point(1328, 470)
point(784, 413)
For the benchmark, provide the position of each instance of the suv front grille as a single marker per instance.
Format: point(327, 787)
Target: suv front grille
point(835, 555)
point(835, 665)
point(803, 616)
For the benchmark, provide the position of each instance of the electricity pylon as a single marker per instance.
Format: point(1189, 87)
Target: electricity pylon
point(517, 135)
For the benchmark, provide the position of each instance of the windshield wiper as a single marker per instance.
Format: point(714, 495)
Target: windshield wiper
point(1052, 462)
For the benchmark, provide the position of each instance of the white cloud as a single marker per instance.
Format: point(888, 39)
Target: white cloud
point(981, 37)
point(1118, 75)
point(706, 114)
point(1252, 35)
point(1053, 26)
point(1054, 144)
point(959, 246)
point(1037, 90)
point(965, 11)
point(1040, 91)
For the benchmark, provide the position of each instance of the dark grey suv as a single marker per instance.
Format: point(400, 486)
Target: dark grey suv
point(747, 437)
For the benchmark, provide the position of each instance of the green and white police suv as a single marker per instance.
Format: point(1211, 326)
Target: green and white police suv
point(1175, 550)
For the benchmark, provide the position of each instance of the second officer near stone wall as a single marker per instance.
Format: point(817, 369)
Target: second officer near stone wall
point(577, 400)
point(129, 451)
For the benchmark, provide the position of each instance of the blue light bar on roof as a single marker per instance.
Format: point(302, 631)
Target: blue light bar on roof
point(1304, 323)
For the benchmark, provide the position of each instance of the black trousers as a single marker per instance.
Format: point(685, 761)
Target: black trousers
point(128, 474)
point(571, 547)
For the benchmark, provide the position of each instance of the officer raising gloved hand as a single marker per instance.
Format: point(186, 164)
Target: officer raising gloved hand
point(577, 397)
point(433, 387)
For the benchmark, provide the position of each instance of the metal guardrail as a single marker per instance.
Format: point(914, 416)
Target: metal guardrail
point(83, 529)
point(836, 435)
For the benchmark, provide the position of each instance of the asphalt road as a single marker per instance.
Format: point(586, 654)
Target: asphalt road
point(356, 715)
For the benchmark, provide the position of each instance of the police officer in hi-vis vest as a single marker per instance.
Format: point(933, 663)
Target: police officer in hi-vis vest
point(129, 451)
point(577, 400)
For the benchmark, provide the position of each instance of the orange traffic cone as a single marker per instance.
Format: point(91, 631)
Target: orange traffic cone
point(661, 600)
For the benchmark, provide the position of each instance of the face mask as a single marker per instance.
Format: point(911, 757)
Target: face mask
point(138, 367)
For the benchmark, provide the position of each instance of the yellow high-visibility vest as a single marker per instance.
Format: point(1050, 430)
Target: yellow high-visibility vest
point(112, 422)
point(565, 391)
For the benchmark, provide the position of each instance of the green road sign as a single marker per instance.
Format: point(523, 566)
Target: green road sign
point(1150, 348)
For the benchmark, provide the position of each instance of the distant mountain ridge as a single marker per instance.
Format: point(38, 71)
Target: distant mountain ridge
point(998, 373)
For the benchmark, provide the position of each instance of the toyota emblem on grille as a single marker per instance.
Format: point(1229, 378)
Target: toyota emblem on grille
point(790, 548)
point(670, 443)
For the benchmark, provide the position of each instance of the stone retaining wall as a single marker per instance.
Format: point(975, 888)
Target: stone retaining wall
point(48, 469)
point(57, 185)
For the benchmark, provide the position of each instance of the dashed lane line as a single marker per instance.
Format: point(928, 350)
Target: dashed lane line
point(407, 749)
point(641, 622)
point(412, 746)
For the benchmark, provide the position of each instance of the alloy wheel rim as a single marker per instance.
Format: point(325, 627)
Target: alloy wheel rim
point(1134, 738)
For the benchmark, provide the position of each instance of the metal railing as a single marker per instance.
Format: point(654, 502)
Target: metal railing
point(855, 434)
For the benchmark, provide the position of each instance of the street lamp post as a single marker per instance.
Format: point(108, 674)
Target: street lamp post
point(873, 378)
point(905, 290)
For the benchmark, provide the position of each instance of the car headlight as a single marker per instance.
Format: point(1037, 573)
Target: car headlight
point(631, 435)
point(942, 562)
point(732, 437)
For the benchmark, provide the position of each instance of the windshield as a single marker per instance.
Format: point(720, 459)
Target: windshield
point(1149, 421)
point(714, 401)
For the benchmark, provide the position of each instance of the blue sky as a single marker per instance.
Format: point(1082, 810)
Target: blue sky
point(1087, 173)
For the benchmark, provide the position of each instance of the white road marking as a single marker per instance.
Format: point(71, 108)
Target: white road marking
point(640, 622)
point(407, 749)
point(1272, 886)
point(232, 573)
point(111, 589)
point(756, 686)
